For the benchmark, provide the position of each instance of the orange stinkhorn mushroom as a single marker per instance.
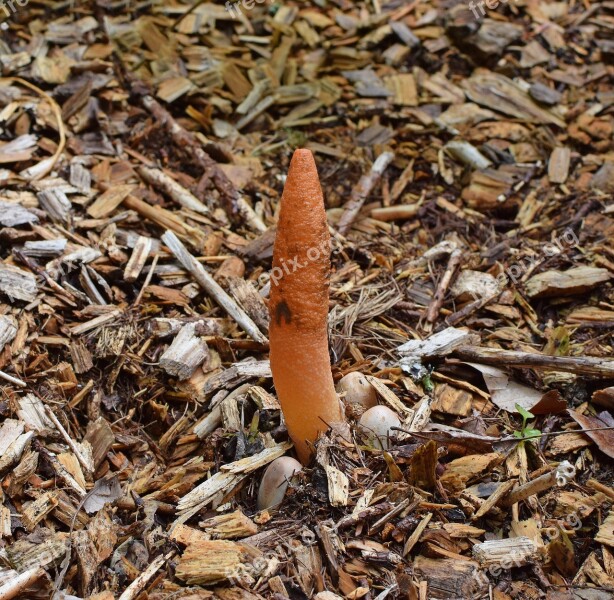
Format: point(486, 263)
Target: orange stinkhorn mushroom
point(298, 305)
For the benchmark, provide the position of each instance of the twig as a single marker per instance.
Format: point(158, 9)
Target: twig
point(87, 465)
point(18, 584)
point(137, 586)
point(579, 365)
point(565, 471)
point(469, 309)
point(434, 307)
point(212, 287)
point(160, 180)
point(147, 281)
point(362, 190)
point(12, 379)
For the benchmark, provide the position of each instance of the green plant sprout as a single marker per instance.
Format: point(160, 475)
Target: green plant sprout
point(525, 432)
point(427, 383)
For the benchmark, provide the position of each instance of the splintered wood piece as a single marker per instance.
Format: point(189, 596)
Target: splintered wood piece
point(452, 401)
point(17, 284)
point(9, 432)
point(605, 535)
point(461, 470)
point(34, 512)
point(558, 165)
point(595, 572)
point(96, 322)
point(231, 526)
point(205, 562)
point(100, 436)
point(566, 283)
point(8, 329)
point(19, 582)
point(460, 530)
point(247, 296)
point(109, 200)
point(24, 554)
point(164, 327)
point(160, 180)
point(513, 552)
point(138, 258)
point(501, 491)
point(413, 539)
point(56, 203)
point(389, 396)
point(81, 356)
point(209, 284)
point(423, 466)
point(14, 452)
point(450, 578)
point(338, 486)
point(441, 343)
point(33, 412)
point(139, 584)
point(225, 480)
point(185, 354)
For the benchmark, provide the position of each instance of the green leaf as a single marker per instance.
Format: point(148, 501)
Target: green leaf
point(531, 433)
point(517, 434)
point(427, 383)
point(524, 413)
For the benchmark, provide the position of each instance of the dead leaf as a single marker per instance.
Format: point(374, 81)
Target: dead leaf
point(605, 438)
point(105, 490)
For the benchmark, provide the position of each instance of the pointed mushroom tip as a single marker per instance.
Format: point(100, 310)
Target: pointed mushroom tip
point(303, 157)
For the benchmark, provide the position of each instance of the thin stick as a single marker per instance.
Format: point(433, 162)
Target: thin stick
point(138, 585)
point(12, 379)
point(18, 584)
point(435, 306)
point(469, 309)
point(361, 190)
point(147, 281)
point(212, 287)
point(87, 465)
point(565, 471)
point(579, 365)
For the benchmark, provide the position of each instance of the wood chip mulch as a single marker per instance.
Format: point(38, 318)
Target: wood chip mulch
point(467, 159)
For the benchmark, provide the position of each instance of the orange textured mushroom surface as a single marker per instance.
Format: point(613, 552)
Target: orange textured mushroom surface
point(299, 307)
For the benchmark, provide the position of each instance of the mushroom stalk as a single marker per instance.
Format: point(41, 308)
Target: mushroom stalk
point(298, 306)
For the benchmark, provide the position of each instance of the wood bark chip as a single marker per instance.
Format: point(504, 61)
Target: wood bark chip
point(142, 159)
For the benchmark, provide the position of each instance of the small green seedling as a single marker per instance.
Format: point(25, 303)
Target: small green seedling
point(427, 383)
point(526, 432)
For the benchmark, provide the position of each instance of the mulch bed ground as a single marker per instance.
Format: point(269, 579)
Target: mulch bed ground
point(466, 155)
